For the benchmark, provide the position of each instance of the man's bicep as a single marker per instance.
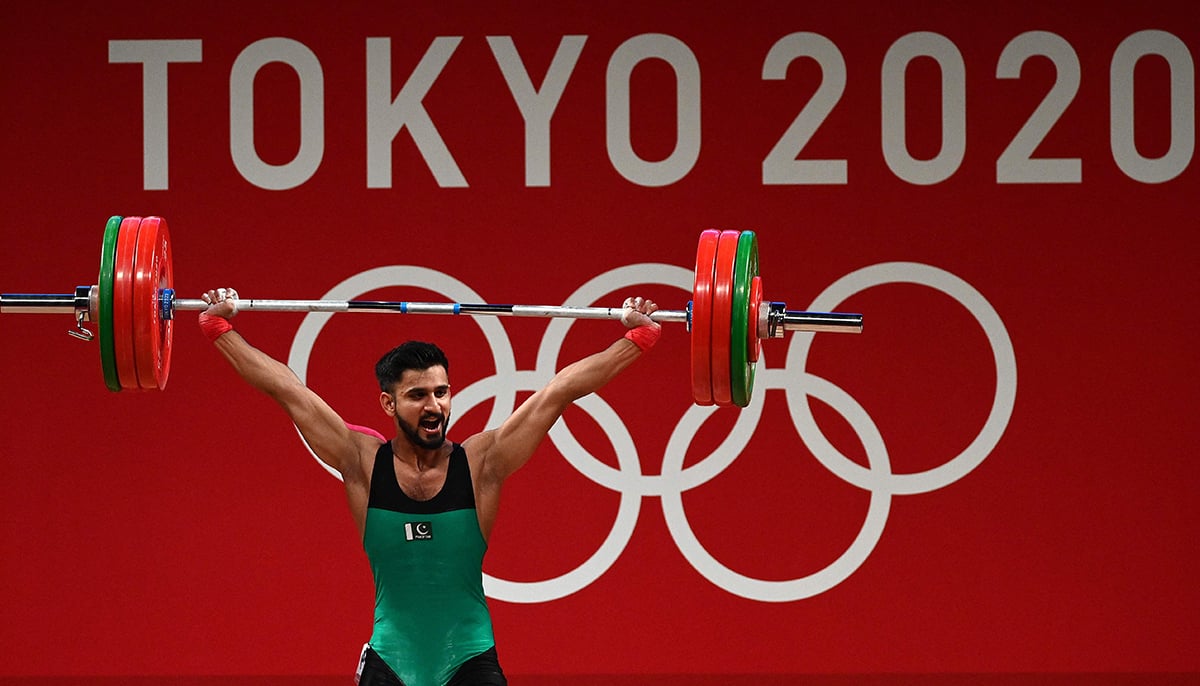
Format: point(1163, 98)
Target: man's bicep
point(512, 444)
point(321, 427)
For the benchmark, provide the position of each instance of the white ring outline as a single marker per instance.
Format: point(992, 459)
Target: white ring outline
point(603, 474)
point(405, 275)
point(614, 543)
point(834, 573)
point(1002, 405)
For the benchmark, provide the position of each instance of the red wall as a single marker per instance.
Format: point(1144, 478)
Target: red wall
point(998, 476)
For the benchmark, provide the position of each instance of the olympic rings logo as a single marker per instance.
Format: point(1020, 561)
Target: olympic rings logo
point(627, 479)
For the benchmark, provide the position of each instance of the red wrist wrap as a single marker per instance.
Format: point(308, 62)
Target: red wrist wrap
point(644, 336)
point(213, 326)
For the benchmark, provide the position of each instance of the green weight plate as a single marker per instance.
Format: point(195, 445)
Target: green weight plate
point(741, 369)
point(108, 252)
point(756, 302)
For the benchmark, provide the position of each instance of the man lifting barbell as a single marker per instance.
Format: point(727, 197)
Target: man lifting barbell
point(425, 506)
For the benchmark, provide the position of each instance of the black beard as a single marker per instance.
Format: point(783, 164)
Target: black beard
point(418, 439)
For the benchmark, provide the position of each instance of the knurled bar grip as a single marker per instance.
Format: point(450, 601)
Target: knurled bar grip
point(403, 307)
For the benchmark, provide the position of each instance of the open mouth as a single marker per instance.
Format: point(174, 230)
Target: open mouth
point(431, 423)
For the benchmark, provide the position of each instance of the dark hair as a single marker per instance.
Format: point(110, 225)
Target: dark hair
point(408, 355)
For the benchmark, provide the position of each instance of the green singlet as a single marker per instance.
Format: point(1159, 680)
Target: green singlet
point(427, 558)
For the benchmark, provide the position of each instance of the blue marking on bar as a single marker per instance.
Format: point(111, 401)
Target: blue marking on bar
point(166, 304)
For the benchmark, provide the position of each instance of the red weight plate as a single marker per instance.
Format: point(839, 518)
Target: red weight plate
point(706, 251)
point(152, 333)
point(756, 295)
point(123, 269)
point(722, 312)
point(166, 280)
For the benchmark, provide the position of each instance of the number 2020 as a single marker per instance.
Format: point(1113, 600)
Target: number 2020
point(1017, 163)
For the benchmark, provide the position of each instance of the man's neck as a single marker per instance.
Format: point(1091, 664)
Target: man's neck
point(419, 457)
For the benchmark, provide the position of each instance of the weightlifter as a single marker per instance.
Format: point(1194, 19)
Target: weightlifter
point(424, 506)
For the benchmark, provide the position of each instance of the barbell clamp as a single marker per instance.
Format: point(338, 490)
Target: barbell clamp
point(84, 304)
point(166, 303)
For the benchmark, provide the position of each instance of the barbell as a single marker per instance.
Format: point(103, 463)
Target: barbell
point(133, 305)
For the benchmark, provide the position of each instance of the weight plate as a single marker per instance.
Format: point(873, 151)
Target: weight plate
point(104, 286)
point(151, 332)
point(741, 369)
point(122, 302)
point(701, 342)
point(722, 308)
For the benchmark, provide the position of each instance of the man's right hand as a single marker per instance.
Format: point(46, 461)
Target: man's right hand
point(222, 306)
point(222, 302)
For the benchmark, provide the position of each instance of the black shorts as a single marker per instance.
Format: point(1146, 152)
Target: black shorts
point(481, 670)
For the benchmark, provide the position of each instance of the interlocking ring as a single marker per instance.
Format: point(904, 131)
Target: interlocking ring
point(384, 277)
point(629, 481)
point(1002, 404)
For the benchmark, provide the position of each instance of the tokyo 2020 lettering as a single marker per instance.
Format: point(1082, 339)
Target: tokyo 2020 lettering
point(391, 110)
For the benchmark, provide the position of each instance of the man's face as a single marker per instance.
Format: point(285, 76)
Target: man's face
point(420, 402)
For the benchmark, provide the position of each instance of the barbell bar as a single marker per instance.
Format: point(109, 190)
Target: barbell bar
point(134, 305)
